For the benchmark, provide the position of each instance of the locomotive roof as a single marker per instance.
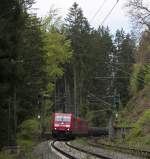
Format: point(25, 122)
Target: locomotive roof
point(68, 114)
point(63, 114)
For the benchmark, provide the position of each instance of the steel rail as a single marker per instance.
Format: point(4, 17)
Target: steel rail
point(88, 152)
point(123, 149)
point(61, 151)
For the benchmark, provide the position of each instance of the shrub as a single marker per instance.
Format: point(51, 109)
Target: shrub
point(137, 79)
point(140, 132)
point(7, 156)
point(29, 129)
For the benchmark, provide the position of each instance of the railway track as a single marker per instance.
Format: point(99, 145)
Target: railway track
point(79, 150)
point(123, 149)
point(61, 151)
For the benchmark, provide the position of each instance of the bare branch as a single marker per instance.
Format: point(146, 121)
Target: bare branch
point(139, 13)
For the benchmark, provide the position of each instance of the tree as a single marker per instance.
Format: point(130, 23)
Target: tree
point(98, 83)
point(31, 58)
point(125, 57)
point(57, 47)
point(12, 22)
point(78, 31)
point(141, 68)
point(139, 13)
point(21, 44)
point(143, 51)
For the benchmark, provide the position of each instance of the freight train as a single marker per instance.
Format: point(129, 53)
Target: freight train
point(66, 125)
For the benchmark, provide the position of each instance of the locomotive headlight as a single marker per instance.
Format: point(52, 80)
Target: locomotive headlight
point(55, 128)
point(68, 129)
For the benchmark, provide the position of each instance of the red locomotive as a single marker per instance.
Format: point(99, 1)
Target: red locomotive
point(66, 125)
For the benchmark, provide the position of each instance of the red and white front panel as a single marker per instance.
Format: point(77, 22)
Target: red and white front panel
point(62, 122)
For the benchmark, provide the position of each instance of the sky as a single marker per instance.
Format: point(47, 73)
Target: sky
point(117, 20)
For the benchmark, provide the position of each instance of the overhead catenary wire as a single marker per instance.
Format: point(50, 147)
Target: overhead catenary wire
point(99, 9)
point(100, 110)
point(138, 77)
point(103, 21)
point(99, 99)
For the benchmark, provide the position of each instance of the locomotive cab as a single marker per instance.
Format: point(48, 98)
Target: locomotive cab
point(62, 125)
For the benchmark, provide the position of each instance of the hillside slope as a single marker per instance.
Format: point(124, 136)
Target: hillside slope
point(137, 114)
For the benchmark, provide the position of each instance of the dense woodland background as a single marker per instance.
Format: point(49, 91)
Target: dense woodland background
point(47, 64)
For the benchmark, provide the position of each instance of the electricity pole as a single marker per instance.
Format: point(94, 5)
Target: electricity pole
point(9, 119)
point(111, 119)
point(75, 90)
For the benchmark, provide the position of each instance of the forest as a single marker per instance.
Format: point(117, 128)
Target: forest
point(49, 64)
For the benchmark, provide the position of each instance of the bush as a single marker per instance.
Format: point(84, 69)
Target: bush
point(144, 121)
point(147, 74)
point(141, 130)
point(48, 123)
point(97, 118)
point(137, 79)
point(29, 132)
point(7, 156)
point(29, 129)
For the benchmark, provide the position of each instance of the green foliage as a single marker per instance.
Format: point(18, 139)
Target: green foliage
point(125, 50)
point(4, 155)
point(146, 140)
point(95, 54)
point(26, 144)
point(147, 74)
point(48, 124)
point(77, 31)
point(145, 119)
point(28, 135)
point(40, 56)
point(16, 41)
point(91, 49)
point(142, 72)
point(140, 132)
point(29, 129)
point(58, 52)
point(97, 118)
point(52, 21)
point(136, 132)
point(123, 122)
point(137, 79)
point(140, 78)
point(46, 111)
point(30, 59)
point(57, 48)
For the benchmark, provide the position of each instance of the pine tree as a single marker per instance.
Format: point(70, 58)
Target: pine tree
point(98, 83)
point(123, 65)
point(21, 63)
point(78, 31)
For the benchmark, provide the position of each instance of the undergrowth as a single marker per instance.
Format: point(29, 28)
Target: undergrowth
point(4, 155)
point(141, 131)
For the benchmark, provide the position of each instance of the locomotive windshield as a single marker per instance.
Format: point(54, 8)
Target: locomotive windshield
point(63, 118)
